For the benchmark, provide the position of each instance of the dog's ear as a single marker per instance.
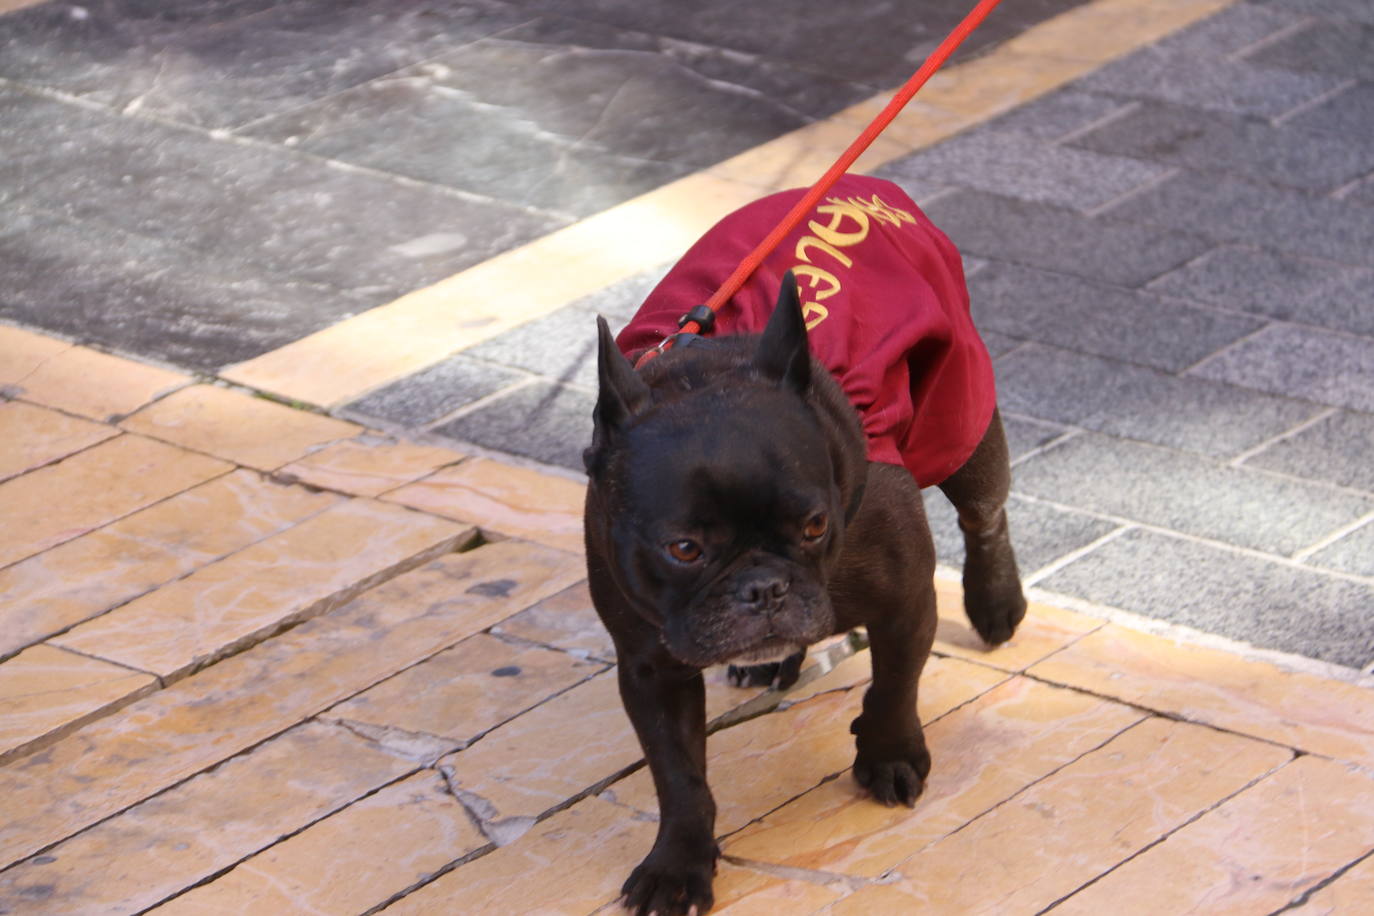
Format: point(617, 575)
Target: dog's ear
point(782, 355)
point(622, 393)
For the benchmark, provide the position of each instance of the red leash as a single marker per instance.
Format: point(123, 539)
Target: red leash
point(694, 320)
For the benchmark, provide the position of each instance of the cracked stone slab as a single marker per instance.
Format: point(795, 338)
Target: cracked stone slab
point(222, 64)
point(203, 251)
point(1189, 494)
point(1330, 368)
point(1069, 312)
point(600, 125)
point(1108, 396)
point(464, 692)
point(1267, 604)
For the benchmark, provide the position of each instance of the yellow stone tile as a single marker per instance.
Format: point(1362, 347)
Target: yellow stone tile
point(983, 753)
point(170, 842)
point(745, 892)
point(1075, 824)
point(33, 436)
point(500, 497)
point(344, 361)
point(304, 571)
point(368, 465)
point(238, 427)
point(1220, 688)
point(46, 693)
point(760, 764)
point(569, 863)
point(565, 621)
point(54, 504)
point(1106, 29)
point(9, 6)
point(96, 385)
point(350, 861)
point(1350, 893)
point(59, 588)
point(1045, 630)
point(551, 753)
point(467, 690)
point(1254, 854)
point(164, 738)
point(23, 352)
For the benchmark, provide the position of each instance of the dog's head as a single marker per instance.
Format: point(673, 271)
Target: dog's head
point(721, 491)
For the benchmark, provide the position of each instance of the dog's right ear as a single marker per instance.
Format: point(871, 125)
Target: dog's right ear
point(622, 393)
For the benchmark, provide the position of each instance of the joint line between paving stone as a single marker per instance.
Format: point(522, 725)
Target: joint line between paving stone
point(895, 872)
point(1273, 38)
point(1206, 542)
point(1150, 184)
point(1167, 834)
point(219, 558)
point(1335, 536)
point(1071, 432)
point(1116, 114)
point(221, 872)
point(1315, 102)
point(1286, 434)
point(485, 401)
point(1072, 556)
point(1302, 899)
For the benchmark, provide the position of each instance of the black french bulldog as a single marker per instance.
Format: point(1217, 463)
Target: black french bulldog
point(732, 516)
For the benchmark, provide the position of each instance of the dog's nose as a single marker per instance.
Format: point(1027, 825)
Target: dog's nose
point(762, 591)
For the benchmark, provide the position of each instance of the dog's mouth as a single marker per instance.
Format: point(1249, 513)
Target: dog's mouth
point(772, 649)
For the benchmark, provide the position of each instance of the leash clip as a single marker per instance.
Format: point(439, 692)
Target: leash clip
point(702, 315)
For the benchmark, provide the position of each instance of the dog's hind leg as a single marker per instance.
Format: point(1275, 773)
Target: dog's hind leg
point(978, 490)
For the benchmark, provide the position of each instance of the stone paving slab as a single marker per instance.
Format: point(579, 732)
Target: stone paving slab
point(308, 771)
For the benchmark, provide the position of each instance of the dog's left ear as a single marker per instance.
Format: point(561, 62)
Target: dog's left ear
point(622, 395)
point(782, 355)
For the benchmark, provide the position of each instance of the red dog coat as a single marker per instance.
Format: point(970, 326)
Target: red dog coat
point(884, 300)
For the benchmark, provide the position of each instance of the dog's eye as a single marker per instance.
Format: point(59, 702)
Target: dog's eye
point(816, 527)
point(685, 551)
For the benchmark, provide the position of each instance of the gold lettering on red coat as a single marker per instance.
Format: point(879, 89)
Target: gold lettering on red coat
point(830, 237)
point(815, 277)
point(819, 311)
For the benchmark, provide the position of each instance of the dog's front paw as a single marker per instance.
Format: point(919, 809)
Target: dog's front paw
point(670, 886)
point(894, 782)
point(893, 769)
